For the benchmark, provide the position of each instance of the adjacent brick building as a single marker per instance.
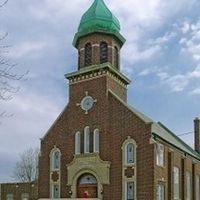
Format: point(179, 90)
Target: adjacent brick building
point(102, 148)
point(19, 191)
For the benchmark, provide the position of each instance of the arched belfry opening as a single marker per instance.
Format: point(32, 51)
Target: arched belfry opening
point(103, 52)
point(87, 186)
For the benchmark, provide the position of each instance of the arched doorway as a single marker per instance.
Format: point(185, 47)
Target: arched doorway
point(87, 186)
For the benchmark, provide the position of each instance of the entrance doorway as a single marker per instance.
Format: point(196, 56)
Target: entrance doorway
point(87, 186)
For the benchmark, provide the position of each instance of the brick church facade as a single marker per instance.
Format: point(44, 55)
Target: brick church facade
point(102, 148)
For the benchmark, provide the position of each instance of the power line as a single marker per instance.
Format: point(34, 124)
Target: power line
point(187, 133)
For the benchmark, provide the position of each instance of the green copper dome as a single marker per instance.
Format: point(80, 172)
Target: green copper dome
point(98, 18)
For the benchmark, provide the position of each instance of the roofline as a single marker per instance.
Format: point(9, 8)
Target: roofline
point(54, 123)
point(133, 110)
point(192, 155)
point(116, 34)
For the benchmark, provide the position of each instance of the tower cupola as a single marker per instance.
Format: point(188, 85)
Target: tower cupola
point(98, 38)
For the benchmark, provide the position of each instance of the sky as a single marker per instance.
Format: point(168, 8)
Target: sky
point(161, 56)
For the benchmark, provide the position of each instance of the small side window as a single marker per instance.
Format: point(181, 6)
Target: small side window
point(159, 155)
point(176, 183)
point(160, 193)
point(9, 196)
point(25, 196)
point(188, 191)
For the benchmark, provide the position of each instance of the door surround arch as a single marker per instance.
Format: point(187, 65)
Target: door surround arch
point(90, 164)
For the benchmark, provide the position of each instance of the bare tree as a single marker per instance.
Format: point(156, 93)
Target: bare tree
point(26, 169)
point(8, 74)
point(3, 3)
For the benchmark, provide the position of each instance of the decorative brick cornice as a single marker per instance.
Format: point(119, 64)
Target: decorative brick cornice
point(97, 71)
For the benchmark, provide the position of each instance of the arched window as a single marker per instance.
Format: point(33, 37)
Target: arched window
point(88, 54)
point(130, 153)
point(103, 52)
point(55, 160)
point(78, 143)
point(87, 139)
point(116, 58)
point(96, 141)
point(129, 159)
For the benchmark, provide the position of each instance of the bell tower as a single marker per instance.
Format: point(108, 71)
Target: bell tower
point(98, 41)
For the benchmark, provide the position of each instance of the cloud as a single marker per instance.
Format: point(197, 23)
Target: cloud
point(132, 53)
point(163, 39)
point(28, 48)
point(179, 82)
point(195, 91)
point(190, 42)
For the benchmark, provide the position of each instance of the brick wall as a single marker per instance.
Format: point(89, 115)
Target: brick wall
point(17, 189)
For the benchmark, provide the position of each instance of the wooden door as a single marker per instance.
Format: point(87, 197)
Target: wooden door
point(87, 191)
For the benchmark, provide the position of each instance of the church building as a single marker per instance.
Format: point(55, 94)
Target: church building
point(102, 148)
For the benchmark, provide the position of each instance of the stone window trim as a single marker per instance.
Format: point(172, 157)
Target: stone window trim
point(159, 154)
point(51, 155)
point(125, 144)
point(100, 172)
point(126, 165)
